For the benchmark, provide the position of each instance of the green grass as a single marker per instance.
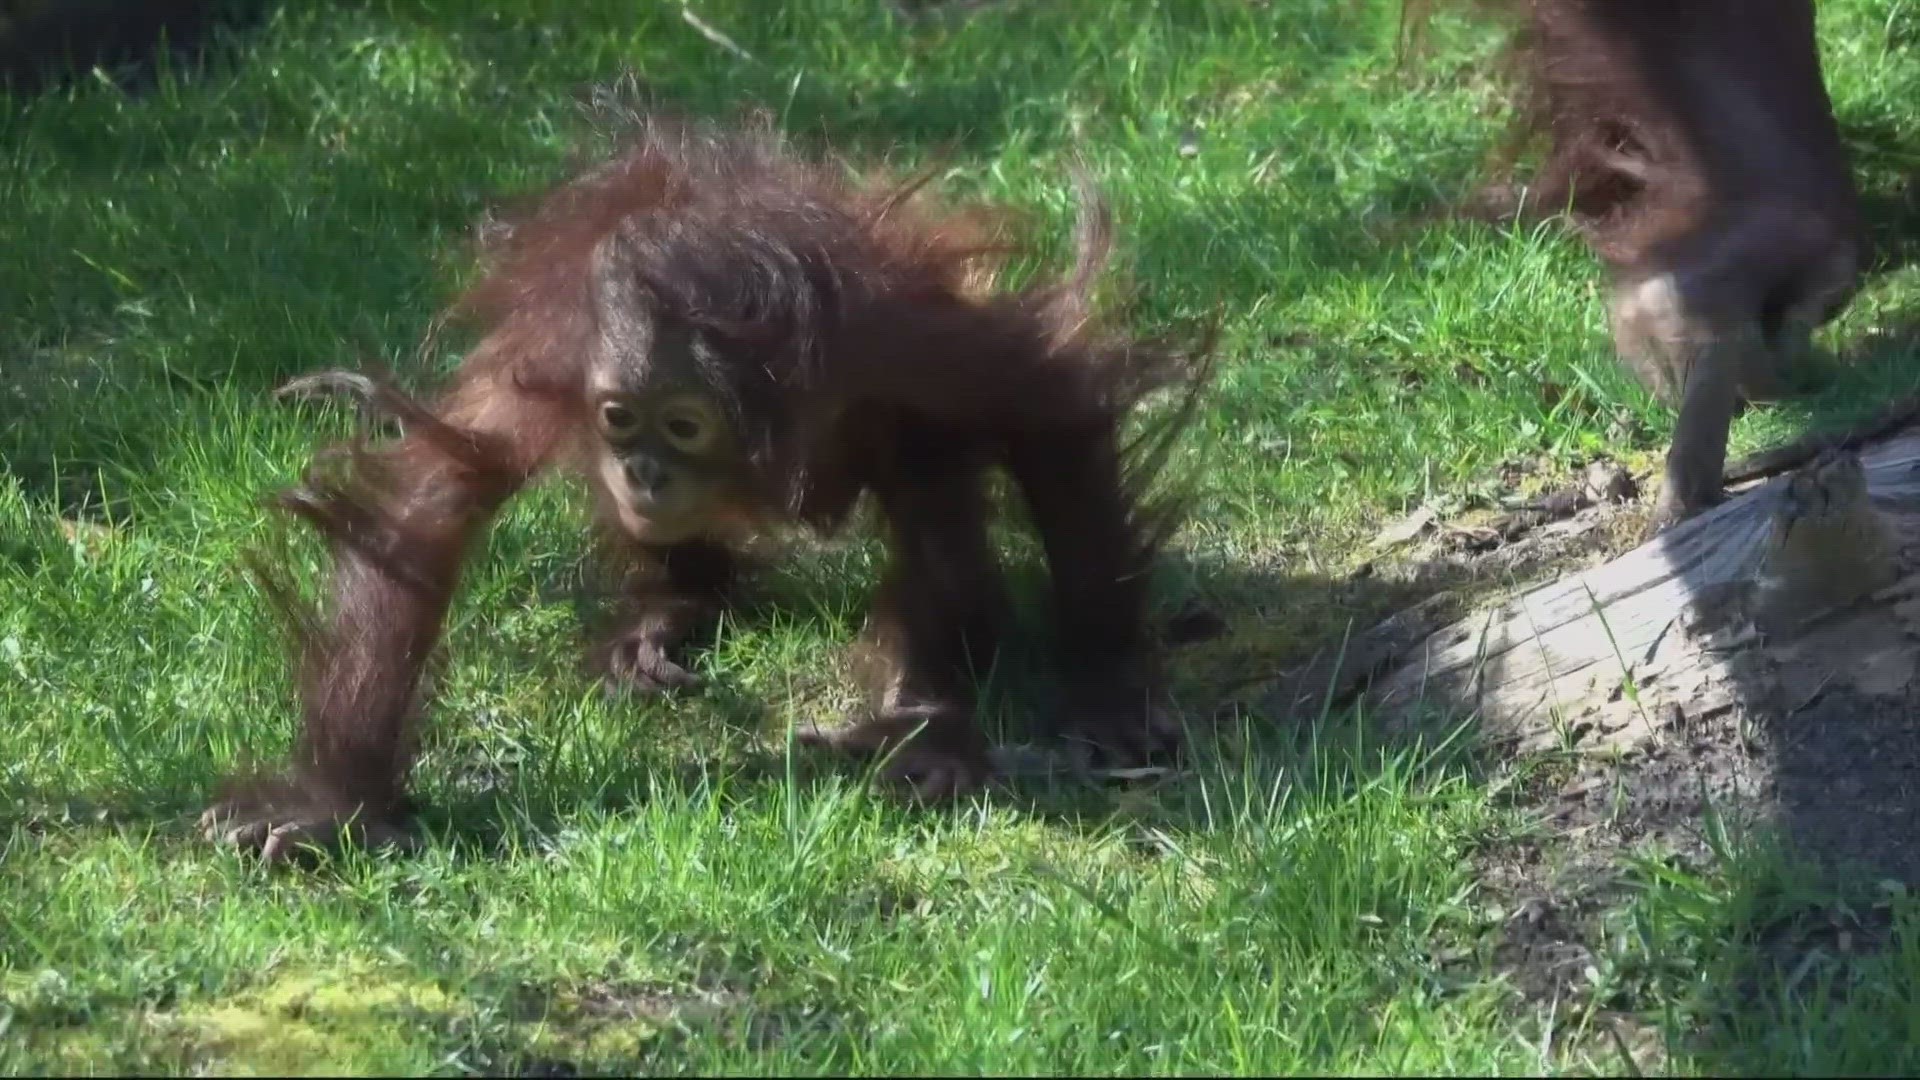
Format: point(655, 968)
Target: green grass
point(617, 885)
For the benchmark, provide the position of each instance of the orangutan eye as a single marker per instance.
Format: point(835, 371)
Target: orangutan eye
point(688, 425)
point(617, 421)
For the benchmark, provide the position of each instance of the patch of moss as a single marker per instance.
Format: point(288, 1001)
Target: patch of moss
point(310, 1024)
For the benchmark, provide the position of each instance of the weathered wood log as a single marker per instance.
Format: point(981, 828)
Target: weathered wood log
point(1790, 589)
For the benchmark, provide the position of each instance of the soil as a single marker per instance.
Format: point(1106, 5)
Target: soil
point(1839, 782)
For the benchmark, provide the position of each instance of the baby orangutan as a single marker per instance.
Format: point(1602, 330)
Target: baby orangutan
point(719, 336)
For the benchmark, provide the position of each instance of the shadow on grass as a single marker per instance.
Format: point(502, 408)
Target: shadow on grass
point(47, 45)
point(480, 788)
point(725, 735)
point(1883, 149)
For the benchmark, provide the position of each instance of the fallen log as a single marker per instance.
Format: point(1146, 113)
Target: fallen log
point(1796, 588)
point(1770, 598)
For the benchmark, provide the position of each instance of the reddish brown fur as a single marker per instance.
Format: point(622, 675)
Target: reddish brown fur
point(1695, 144)
point(1666, 116)
point(864, 350)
